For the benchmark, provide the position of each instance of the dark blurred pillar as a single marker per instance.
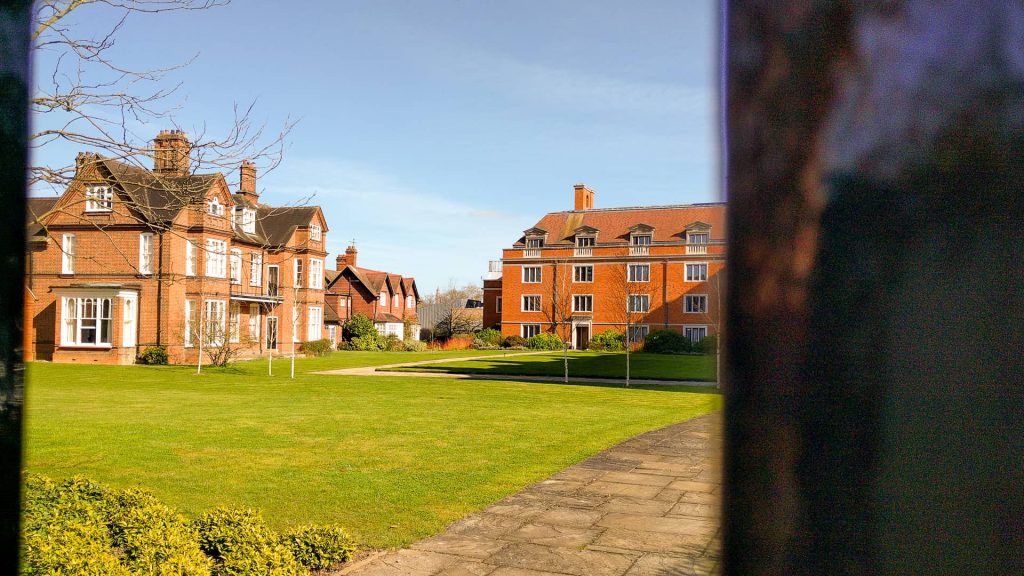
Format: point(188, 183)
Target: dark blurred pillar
point(875, 415)
point(14, 85)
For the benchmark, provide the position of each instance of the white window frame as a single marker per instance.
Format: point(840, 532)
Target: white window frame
point(315, 323)
point(534, 242)
point(75, 321)
point(698, 238)
point(254, 322)
point(540, 302)
point(255, 269)
point(315, 232)
point(216, 258)
point(526, 328)
point(146, 253)
point(235, 322)
point(576, 274)
point(695, 266)
point(276, 323)
point(69, 243)
point(383, 299)
point(191, 257)
point(295, 322)
point(248, 220)
point(634, 240)
point(641, 330)
point(214, 207)
point(633, 277)
point(588, 299)
point(692, 327)
point(539, 274)
point(585, 241)
point(236, 266)
point(99, 199)
point(316, 274)
point(215, 312)
point(497, 305)
point(189, 320)
point(298, 271)
point(332, 333)
point(646, 298)
point(688, 299)
point(410, 302)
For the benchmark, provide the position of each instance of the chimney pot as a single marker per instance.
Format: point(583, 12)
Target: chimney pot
point(584, 197)
point(247, 181)
point(171, 150)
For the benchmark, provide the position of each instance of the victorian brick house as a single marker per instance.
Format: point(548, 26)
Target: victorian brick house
point(130, 257)
point(580, 272)
point(388, 299)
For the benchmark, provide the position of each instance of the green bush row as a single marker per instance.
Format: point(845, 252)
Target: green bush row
point(77, 526)
point(320, 347)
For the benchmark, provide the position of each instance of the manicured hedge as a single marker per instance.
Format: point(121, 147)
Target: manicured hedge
point(544, 341)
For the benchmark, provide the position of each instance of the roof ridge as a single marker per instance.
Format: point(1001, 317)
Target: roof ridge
point(635, 208)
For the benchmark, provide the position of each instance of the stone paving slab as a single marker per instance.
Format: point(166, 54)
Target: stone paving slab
point(649, 506)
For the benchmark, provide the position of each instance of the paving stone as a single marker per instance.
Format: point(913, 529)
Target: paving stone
point(604, 463)
point(670, 525)
point(659, 565)
point(469, 545)
point(698, 510)
point(562, 560)
point(407, 563)
point(551, 535)
point(508, 571)
point(575, 517)
point(486, 525)
point(636, 506)
point(669, 495)
point(693, 486)
point(468, 569)
point(558, 486)
point(701, 498)
point(514, 510)
point(618, 489)
point(642, 541)
point(578, 500)
point(578, 474)
point(634, 478)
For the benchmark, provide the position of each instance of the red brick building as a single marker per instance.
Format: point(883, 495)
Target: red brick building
point(581, 272)
point(130, 257)
point(389, 299)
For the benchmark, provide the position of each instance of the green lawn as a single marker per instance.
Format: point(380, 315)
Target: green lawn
point(584, 364)
point(393, 459)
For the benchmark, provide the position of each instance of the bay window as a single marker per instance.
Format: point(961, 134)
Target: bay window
point(87, 322)
point(216, 258)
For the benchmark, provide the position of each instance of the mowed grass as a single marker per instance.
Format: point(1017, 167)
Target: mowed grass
point(584, 364)
point(392, 459)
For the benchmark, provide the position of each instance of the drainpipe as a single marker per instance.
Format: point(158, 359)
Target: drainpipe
point(159, 288)
point(664, 289)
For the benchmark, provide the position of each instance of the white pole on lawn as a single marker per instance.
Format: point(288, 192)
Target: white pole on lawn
point(199, 364)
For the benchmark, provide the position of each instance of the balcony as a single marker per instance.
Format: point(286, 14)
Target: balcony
point(696, 248)
point(640, 250)
point(531, 253)
point(246, 293)
point(583, 251)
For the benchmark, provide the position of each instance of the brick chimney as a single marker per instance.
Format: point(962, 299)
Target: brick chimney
point(247, 182)
point(348, 258)
point(171, 153)
point(584, 197)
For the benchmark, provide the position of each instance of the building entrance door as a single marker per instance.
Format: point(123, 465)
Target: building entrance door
point(582, 337)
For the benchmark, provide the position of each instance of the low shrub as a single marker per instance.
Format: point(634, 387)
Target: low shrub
point(479, 344)
point(666, 342)
point(707, 345)
point(153, 355)
point(391, 343)
point(153, 538)
point(320, 347)
point(608, 341)
point(360, 326)
point(369, 343)
point(319, 547)
point(415, 346)
point(513, 342)
point(240, 544)
point(458, 342)
point(490, 336)
point(544, 341)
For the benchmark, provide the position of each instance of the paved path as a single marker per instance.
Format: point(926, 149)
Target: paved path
point(381, 371)
point(646, 507)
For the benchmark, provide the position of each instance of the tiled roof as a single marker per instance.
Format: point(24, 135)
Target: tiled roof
point(613, 224)
point(276, 225)
point(37, 207)
point(387, 317)
point(156, 198)
point(330, 314)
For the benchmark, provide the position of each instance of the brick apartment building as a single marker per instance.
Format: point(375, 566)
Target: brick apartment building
point(581, 272)
point(129, 257)
point(389, 299)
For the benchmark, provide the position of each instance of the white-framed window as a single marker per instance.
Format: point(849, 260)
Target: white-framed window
point(190, 321)
point(640, 240)
point(410, 302)
point(639, 272)
point(214, 207)
point(87, 322)
point(99, 199)
point(254, 322)
point(342, 302)
point(299, 279)
point(295, 322)
point(531, 274)
point(697, 272)
point(638, 332)
point(146, 253)
point(67, 261)
point(528, 330)
point(215, 322)
point(697, 238)
point(584, 241)
point(531, 303)
point(235, 322)
point(273, 280)
point(497, 305)
point(695, 303)
point(534, 242)
point(583, 273)
point(332, 333)
point(255, 269)
point(695, 333)
point(583, 303)
point(236, 266)
point(316, 273)
point(638, 303)
point(216, 258)
point(245, 219)
point(315, 323)
point(314, 232)
point(191, 257)
point(383, 298)
point(271, 332)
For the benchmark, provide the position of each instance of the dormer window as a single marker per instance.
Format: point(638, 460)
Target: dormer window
point(314, 232)
point(640, 240)
point(534, 242)
point(99, 199)
point(697, 238)
point(244, 219)
point(214, 207)
point(584, 241)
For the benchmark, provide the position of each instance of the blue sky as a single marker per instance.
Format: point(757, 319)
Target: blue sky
point(434, 133)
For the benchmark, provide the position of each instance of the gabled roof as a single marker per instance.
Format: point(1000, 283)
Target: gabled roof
point(535, 231)
point(409, 285)
point(157, 198)
point(669, 223)
point(36, 208)
point(330, 314)
point(275, 226)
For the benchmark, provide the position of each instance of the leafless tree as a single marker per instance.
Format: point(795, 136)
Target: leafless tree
point(628, 298)
point(560, 313)
point(216, 339)
point(445, 312)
